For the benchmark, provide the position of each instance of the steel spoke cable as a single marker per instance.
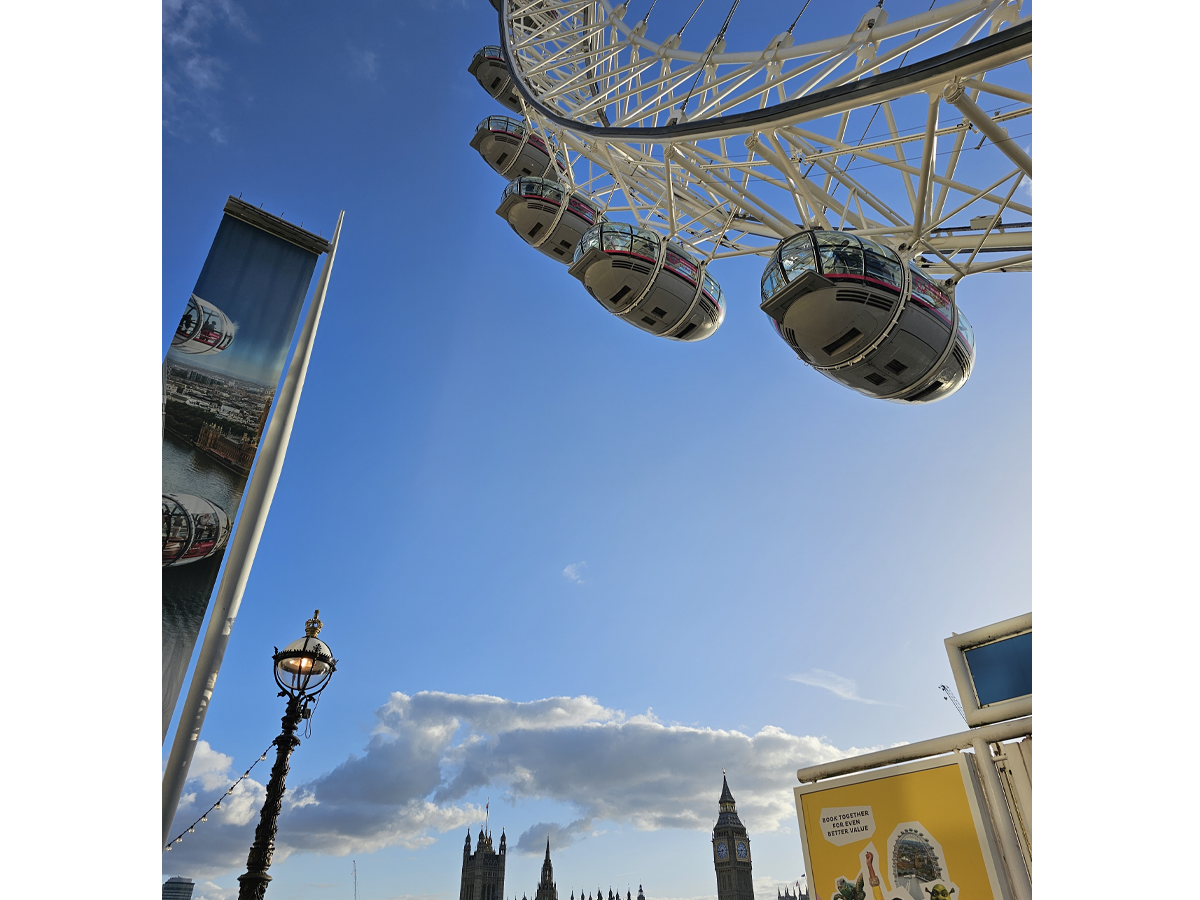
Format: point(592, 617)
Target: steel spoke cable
point(877, 106)
point(711, 49)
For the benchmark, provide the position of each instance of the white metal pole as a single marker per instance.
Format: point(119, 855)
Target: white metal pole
point(1001, 731)
point(241, 553)
point(928, 162)
point(956, 96)
point(1002, 821)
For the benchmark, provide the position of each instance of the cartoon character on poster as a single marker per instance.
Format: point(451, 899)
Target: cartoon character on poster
point(918, 871)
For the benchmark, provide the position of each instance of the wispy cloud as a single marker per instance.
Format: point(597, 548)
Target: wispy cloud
point(431, 751)
point(363, 63)
point(572, 572)
point(846, 688)
point(193, 75)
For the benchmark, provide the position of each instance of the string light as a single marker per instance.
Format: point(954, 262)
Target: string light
point(216, 806)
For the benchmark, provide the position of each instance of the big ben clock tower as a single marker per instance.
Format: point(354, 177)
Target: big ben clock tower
point(731, 851)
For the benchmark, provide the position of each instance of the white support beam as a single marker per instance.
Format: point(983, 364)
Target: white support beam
point(957, 97)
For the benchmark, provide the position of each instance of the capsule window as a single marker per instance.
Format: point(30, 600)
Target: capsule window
point(880, 267)
point(847, 338)
point(896, 366)
point(841, 254)
point(797, 257)
point(772, 281)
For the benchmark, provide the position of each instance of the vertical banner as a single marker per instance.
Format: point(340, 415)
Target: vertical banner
point(219, 380)
point(910, 832)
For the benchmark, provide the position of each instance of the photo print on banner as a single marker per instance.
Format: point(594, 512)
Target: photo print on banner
point(219, 380)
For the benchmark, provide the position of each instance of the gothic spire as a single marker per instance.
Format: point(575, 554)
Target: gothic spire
point(728, 815)
point(726, 794)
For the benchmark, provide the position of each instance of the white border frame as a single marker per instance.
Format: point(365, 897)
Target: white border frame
point(983, 828)
point(956, 647)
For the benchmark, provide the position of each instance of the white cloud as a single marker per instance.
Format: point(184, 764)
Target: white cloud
point(571, 572)
point(207, 890)
point(363, 63)
point(432, 750)
point(209, 767)
point(846, 688)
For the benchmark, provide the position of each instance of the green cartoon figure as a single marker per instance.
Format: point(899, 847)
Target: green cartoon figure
point(939, 892)
point(848, 891)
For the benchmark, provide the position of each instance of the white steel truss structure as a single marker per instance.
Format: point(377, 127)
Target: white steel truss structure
point(896, 130)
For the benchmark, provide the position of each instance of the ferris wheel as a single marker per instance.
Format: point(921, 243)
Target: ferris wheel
point(873, 171)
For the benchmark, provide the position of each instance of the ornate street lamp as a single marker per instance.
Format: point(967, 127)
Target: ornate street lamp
point(302, 670)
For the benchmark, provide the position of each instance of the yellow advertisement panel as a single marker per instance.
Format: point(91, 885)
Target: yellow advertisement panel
point(911, 832)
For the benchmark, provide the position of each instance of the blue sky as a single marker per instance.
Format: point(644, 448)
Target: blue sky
point(493, 488)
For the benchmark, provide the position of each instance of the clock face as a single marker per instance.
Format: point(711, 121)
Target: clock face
point(722, 850)
point(742, 850)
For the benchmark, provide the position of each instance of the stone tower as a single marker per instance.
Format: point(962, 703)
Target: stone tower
point(483, 870)
point(547, 889)
point(731, 851)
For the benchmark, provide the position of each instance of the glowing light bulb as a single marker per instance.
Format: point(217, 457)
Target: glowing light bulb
point(264, 756)
point(204, 818)
point(179, 840)
point(192, 830)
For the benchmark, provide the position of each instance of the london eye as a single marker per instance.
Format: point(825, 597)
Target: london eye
point(872, 171)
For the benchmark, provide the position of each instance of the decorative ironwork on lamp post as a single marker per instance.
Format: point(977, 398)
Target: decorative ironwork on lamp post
point(302, 670)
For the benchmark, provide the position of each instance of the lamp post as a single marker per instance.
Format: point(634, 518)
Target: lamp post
point(302, 670)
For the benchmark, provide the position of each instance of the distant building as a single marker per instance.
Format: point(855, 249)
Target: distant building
point(483, 875)
point(238, 452)
point(731, 851)
point(176, 888)
point(483, 870)
point(611, 895)
point(547, 889)
point(786, 893)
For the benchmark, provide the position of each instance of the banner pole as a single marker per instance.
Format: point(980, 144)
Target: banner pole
point(243, 547)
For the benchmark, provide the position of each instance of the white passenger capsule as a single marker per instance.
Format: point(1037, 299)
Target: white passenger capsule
point(512, 149)
point(655, 285)
point(548, 216)
point(853, 311)
point(491, 71)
